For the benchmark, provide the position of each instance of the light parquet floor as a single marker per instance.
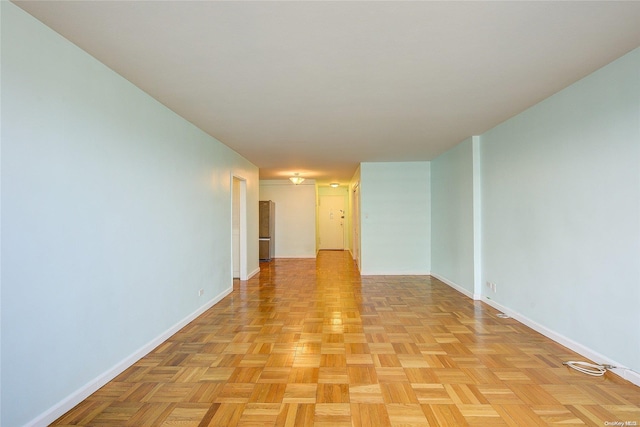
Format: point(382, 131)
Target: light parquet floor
point(311, 343)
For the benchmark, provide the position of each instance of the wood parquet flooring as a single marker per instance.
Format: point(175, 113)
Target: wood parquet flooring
point(311, 343)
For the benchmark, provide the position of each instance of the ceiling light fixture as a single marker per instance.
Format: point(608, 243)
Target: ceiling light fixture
point(296, 179)
point(334, 185)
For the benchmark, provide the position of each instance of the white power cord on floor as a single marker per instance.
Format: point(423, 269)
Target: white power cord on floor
point(588, 368)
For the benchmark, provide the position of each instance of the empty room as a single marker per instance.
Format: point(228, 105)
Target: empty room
point(283, 213)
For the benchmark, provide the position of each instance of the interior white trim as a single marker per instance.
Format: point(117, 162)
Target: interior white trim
point(477, 217)
point(631, 376)
point(253, 273)
point(242, 220)
point(66, 404)
point(395, 273)
point(457, 287)
point(593, 355)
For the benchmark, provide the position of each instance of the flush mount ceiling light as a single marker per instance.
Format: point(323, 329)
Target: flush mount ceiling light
point(296, 179)
point(334, 185)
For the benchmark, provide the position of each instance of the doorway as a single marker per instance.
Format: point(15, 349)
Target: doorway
point(332, 216)
point(239, 228)
point(355, 203)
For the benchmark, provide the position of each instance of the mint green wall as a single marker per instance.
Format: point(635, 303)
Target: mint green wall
point(561, 211)
point(452, 251)
point(558, 204)
point(395, 221)
point(115, 212)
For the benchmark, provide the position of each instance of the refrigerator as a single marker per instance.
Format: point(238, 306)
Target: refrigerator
point(267, 230)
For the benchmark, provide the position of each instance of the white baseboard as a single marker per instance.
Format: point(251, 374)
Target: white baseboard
point(253, 273)
point(395, 273)
point(631, 376)
point(628, 375)
point(457, 287)
point(92, 386)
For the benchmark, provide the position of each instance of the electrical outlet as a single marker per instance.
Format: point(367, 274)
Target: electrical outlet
point(494, 287)
point(201, 292)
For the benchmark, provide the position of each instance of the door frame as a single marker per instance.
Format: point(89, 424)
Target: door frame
point(345, 204)
point(242, 212)
point(355, 223)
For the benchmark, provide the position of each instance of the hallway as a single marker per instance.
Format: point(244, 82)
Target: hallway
point(310, 342)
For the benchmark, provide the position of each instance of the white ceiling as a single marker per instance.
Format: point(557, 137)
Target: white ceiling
point(318, 87)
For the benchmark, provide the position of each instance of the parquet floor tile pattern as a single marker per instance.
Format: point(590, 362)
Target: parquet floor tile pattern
point(308, 342)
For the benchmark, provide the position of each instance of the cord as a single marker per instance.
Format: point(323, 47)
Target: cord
point(589, 368)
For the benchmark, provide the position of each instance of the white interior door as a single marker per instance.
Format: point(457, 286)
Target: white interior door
point(331, 225)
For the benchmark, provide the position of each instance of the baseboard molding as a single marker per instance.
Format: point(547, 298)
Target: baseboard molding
point(628, 375)
point(631, 376)
point(395, 273)
point(92, 386)
point(457, 287)
point(253, 273)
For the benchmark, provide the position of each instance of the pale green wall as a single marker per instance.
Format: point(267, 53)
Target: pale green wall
point(115, 212)
point(452, 251)
point(395, 218)
point(561, 211)
point(96, 179)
